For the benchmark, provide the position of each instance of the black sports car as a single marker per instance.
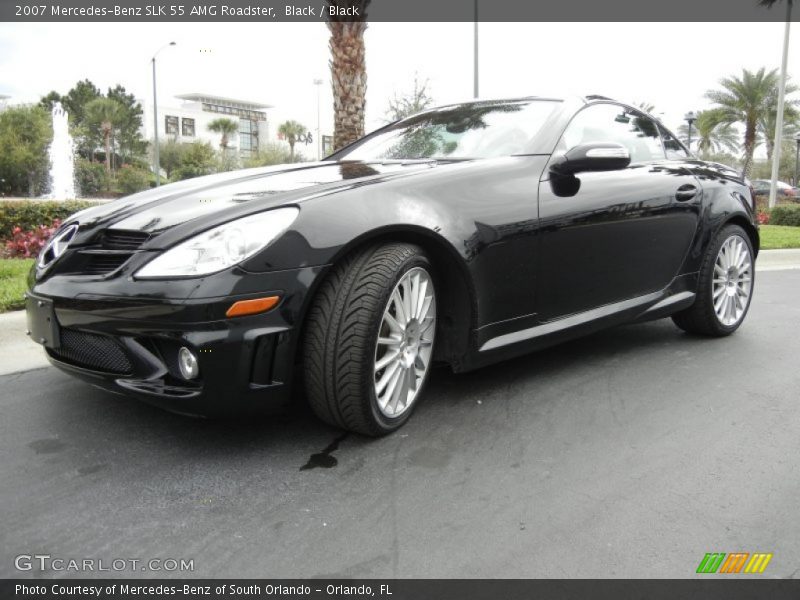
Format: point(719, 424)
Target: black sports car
point(466, 234)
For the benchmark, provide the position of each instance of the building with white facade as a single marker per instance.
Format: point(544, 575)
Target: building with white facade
point(186, 118)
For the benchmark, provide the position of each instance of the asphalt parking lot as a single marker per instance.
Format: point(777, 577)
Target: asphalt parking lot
point(631, 453)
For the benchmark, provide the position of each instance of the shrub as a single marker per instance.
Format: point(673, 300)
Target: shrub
point(132, 179)
point(785, 215)
point(197, 159)
point(763, 217)
point(29, 214)
point(90, 177)
point(28, 244)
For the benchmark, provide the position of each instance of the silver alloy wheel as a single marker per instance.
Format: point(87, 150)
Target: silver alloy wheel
point(405, 342)
point(733, 280)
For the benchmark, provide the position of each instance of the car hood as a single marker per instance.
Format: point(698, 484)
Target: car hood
point(229, 195)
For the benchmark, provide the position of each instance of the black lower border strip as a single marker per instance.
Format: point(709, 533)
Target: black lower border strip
point(402, 589)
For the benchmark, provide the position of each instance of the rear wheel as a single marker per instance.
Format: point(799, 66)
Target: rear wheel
point(369, 339)
point(725, 286)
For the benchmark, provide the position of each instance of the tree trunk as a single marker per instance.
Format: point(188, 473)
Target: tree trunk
point(291, 150)
point(348, 80)
point(107, 140)
point(749, 147)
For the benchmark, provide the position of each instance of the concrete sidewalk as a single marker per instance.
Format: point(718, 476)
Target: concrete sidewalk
point(777, 260)
point(19, 353)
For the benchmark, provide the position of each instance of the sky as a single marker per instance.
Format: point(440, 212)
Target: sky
point(670, 65)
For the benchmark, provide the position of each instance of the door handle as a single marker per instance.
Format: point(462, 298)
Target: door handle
point(685, 192)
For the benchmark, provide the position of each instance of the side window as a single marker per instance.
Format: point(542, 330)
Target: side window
point(613, 123)
point(674, 148)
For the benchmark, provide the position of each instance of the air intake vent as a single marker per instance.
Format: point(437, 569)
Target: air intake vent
point(122, 239)
point(91, 351)
point(100, 264)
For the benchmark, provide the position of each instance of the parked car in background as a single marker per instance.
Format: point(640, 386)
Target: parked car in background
point(466, 234)
point(761, 186)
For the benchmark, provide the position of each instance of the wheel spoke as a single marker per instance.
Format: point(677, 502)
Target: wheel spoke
point(386, 359)
point(393, 323)
point(391, 388)
point(388, 374)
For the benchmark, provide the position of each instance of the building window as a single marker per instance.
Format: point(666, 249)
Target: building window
point(187, 127)
point(248, 137)
point(171, 125)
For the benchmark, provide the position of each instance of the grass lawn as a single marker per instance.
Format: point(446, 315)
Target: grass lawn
point(779, 236)
point(13, 273)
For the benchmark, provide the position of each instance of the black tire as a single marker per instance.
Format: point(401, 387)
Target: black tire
point(700, 318)
point(341, 332)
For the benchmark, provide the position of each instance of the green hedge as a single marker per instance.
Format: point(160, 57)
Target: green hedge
point(785, 215)
point(29, 214)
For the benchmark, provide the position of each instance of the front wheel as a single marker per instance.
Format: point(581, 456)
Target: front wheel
point(369, 338)
point(725, 286)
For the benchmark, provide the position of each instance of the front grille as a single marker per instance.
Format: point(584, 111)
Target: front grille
point(92, 351)
point(100, 264)
point(112, 250)
point(123, 239)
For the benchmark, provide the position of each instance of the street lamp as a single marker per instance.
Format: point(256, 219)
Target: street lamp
point(797, 161)
point(690, 117)
point(318, 83)
point(475, 86)
point(156, 162)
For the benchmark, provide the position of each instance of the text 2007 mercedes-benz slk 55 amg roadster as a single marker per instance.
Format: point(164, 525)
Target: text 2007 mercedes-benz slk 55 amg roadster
point(466, 234)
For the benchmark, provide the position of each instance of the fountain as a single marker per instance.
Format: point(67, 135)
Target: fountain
point(62, 157)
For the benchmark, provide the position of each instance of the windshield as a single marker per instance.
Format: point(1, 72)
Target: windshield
point(464, 131)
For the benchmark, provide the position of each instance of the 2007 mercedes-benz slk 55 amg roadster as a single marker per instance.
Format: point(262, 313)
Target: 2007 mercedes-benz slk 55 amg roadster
point(465, 234)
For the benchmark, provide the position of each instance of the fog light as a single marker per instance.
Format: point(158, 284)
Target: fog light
point(187, 363)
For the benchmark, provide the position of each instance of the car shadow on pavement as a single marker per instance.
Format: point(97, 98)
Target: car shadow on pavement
point(83, 414)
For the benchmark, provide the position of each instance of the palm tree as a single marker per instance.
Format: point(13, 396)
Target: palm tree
point(226, 127)
point(746, 99)
point(646, 107)
point(105, 115)
point(712, 133)
point(348, 72)
point(291, 132)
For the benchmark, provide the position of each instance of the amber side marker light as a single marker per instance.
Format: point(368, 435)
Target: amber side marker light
point(252, 307)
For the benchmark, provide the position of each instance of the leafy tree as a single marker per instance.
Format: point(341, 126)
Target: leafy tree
point(269, 154)
point(127, 138)
point(47, 101)
point(226, 127)
point(406, 105)
point(197, 160)
point(105, 115)
point(748, 100)
point(131, 144)
point(291, 132)
point(348, 73)
point(712, 133)
point(763, 169)
point(77, 98)
point(170, 155)
point(25, 134)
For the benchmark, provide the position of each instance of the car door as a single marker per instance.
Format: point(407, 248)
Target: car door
point(614, 235)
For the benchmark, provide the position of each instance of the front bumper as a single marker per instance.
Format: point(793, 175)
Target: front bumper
point(129, 344)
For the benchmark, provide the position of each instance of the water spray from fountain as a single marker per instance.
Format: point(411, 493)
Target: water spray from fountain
point(62, 157)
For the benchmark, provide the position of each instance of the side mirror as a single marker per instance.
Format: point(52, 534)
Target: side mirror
point(594, 156)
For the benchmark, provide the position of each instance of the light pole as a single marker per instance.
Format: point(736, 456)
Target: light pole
point(797, 161)
point(156, 163)
point(475, 57)
point(690, 117)
point(776, 153)
point(318, 83)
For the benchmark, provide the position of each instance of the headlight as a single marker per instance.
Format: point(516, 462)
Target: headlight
point(221, 247)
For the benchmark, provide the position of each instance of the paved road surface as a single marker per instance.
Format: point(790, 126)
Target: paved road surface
point(628, 454)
